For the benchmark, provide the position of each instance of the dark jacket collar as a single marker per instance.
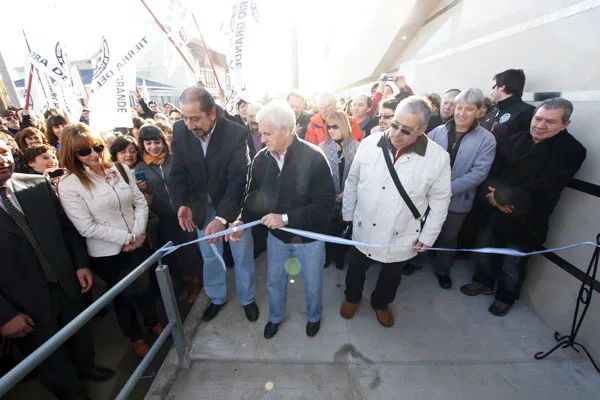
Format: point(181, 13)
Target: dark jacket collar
point(419, 147)
point(511, 101)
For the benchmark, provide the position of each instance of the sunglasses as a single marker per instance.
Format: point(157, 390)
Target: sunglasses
point(387, 116)
point(329, 127)
point(9, 117)
point(395, 125)
point(86, 151)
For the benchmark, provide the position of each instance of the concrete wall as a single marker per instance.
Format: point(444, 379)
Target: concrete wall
point(555, 42)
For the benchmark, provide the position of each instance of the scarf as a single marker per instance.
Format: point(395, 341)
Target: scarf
point(158, 160)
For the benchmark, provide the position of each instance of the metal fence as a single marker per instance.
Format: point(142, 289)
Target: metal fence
point(174, 327)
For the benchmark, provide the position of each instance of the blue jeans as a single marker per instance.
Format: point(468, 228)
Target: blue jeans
point(311, 257)
point(214, 275)
point(508, 272)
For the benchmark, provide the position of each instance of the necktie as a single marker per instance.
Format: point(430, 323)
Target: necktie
point(22, 223)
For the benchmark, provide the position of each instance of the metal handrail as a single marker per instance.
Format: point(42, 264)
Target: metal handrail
point(174, 326)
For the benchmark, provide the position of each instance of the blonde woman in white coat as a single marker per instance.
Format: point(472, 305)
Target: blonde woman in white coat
point(111, 214)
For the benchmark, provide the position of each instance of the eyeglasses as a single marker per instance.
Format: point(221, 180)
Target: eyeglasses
point(386, 116)
point(329, 127)
point(494, 87)
point(86, 151)
point(396, 125)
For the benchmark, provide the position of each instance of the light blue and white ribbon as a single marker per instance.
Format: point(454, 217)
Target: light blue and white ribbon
point(347, 242)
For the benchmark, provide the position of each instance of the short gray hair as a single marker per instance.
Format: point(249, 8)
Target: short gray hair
point(279, 113)
point(417, 105)
point(556, 103)
point(327, 97)
point(471, 96)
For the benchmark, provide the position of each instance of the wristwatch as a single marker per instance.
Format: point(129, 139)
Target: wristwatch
point(285, 219)
point(221, 220)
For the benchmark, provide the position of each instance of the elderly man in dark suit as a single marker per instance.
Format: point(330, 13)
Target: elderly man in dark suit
point(210, 168)
point(44, 271)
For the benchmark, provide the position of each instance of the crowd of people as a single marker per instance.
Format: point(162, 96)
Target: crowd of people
point(389, 167)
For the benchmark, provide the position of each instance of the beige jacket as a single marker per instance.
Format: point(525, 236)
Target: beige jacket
point(379, 214)
point(105, 214)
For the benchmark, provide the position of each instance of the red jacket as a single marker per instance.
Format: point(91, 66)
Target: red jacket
point(316, 131)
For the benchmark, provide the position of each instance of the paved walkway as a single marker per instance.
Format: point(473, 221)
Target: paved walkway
point(444, 345)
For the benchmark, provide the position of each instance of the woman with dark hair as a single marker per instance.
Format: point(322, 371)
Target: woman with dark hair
point(126, 151)
point(105, 205)
point(156, 167)
point(487, 106)
point(54, 126)
point(31, 137)
point(339, 148)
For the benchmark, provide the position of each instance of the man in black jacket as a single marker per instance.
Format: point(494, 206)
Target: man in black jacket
point(208, 179)
point(523, 188)
point(296, 101)
point(44, 271)
point(290, 185)
point(510, 116)
point(513, 115)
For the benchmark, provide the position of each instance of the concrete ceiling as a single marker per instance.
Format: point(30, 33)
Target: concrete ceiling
point(382, 41)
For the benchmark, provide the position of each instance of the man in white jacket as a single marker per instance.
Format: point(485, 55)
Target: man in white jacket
point(377, 211)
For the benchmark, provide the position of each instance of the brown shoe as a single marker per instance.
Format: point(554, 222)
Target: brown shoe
point(195, 292)
point(348, 309)
point(141, 348)
point(385, 317)
point(158, 329)
point(185, 289)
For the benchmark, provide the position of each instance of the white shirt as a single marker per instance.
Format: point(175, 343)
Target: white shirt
point(279, 158)
point(203, 142)
point(10, 193)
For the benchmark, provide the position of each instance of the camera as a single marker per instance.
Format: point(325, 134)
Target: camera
point(56, 173)
point(390, 78)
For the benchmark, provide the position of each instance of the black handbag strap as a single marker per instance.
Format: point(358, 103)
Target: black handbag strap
point(405, 197)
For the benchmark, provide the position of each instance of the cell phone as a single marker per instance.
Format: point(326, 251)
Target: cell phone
point(390, 78)
point(141, 176)
point(56, 173)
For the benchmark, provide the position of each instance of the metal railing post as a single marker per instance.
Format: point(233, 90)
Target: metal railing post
point(168, 295)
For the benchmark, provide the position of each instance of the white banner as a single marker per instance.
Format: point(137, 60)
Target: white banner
point(53, 72)
point(118, 52)
point(110, 107)
point(243, 58)
point(78, 84)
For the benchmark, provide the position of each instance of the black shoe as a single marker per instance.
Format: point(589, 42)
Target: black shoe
point(326, 265)
point(251, 311)
point(500, 308)
point(98, 374)
point(312, 328)
point(444, 281)
point(271, 330)
point(475, 288)
point(211, 311)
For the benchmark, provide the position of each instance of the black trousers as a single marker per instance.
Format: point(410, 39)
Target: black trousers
point(387, 282)
point(335, 252)
point(60, 372)
point(186, 261)
point(111, 270)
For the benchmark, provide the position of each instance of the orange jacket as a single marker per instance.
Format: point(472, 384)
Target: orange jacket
point(316, 132)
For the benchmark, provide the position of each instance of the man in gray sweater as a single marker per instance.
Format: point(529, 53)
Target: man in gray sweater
point(472, 149)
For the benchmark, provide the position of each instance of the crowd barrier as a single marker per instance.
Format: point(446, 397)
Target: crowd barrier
point(174, 325)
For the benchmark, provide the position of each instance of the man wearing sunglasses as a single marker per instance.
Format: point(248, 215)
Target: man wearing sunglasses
point(12, 121)
point(386, 115)
point(379, 214)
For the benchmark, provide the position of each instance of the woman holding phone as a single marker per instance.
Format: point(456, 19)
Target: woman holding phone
point(111, 215)
point(155, 170)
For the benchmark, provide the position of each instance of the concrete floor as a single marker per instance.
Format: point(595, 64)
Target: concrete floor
point(444, 345)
